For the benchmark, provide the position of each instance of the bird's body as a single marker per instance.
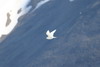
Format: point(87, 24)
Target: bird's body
point(50, 35)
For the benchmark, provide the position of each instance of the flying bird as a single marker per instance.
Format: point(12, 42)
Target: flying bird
point(50, 35)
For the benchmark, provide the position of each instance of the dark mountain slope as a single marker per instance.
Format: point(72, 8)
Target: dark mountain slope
point(77, 43)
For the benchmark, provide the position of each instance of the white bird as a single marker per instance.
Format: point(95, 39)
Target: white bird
point(50, 35)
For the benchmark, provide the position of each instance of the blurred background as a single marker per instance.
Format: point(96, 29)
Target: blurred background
point(78, 36)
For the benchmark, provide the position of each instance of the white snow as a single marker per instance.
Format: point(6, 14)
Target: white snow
point(71, 0)
point(40, 4)
point(11, 7)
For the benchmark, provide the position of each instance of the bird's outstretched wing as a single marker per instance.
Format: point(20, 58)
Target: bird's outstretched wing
point(53, 32)
point(48, 32)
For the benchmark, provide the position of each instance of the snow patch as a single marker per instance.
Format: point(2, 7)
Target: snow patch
point(40, 4)
point(71, 0)
point(9, 13)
